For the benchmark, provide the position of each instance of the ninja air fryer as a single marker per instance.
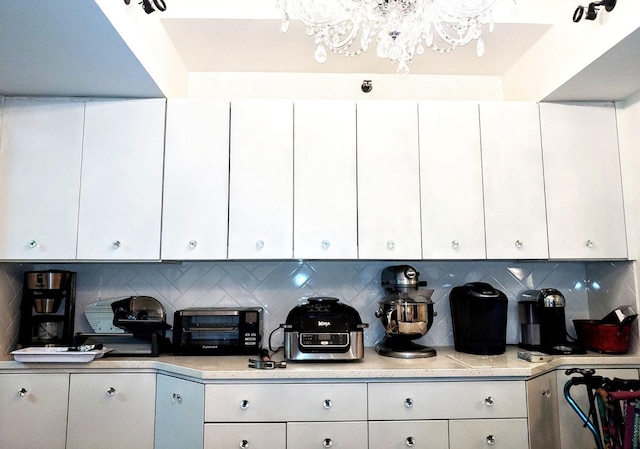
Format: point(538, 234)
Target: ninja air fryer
point(479, 316)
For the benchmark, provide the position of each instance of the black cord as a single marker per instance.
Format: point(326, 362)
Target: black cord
point(270, 335)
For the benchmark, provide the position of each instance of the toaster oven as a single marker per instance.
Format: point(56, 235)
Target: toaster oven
point(217, 331)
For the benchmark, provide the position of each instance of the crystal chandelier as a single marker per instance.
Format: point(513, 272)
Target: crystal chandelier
point(400, 29)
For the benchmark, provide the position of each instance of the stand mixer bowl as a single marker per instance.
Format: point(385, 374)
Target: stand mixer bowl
point(406, 316)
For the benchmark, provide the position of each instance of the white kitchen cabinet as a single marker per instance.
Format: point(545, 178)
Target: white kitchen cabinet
point(111, 410)
point(483, 433)
point(179, 413)
point(451, 181)
point(583, 184)
point(33, 410)
point(245, 436)
point(544, 421)
point(325, 195)
point(40, 157)
point(334, 435)
point(432, 434)
point(261, 180)
point(121, 186)
point(388, 180)
point(514, 204)
point(196, 180)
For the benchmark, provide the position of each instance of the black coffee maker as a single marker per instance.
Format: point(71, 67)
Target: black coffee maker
point(542, 323)
point(47, 309)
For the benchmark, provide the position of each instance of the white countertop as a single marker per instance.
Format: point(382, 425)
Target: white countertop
point(446, 365)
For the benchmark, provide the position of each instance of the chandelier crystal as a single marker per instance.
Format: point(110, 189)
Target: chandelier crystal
point(399, 29)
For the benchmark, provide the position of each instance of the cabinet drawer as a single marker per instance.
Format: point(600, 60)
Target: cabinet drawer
point(480, 433)
point(336, 435)
point(447, 400)
point(414, 434)
point(285, 402)
point(254, 436)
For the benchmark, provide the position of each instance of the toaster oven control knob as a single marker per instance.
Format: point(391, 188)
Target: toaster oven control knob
point(193, 243)
point(491, 440)
point(326, 244)
point(391, 244)
point(455, 244)
point(488, 401)
point(519, 244)
point(116, 244)
point(32, 244)
point(244, 404)
point(22, 392)
point(410, 441)
point(327, 442)
point(244, 444)
point(408, 402)
point(260, 244)
point(111, 391)
point(327, 403)
point(590, 243)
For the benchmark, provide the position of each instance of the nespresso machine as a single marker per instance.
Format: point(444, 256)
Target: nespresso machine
point(542, 323)
point(47, 309)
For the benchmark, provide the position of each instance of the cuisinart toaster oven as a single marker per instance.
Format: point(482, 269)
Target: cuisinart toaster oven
point(217, 331)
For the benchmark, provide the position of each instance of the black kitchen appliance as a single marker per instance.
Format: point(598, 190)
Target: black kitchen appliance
point(217, 331)
point(47, 311)
point(543, 325)
point(143, 320)
point(406, 312)
point(323, 329)
point(479, 317)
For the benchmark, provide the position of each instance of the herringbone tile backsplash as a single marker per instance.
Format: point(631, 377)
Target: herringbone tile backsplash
point(278, 286)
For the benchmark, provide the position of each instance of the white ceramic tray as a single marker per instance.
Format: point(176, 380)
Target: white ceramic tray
point(57, 354)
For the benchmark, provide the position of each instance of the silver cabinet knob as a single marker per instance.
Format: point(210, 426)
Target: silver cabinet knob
point(244, 404)
point(410, 441)
point(116, 244)
point(546, 393)
point(488, 401)
point(244, 444)
point(391, 244)
point(177, 398)
point(519, 244)
point(590, 243)
point(408, 402)
point(326, 244)
point(327, 403)
point(327, 442)
point(32, 244)
point(260, 244)
point(111, 391)
point(193, 243)
point(22, 392)
point(491, 440)
point(455, 244)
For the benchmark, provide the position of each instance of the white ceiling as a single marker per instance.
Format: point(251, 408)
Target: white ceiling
point(58, 47)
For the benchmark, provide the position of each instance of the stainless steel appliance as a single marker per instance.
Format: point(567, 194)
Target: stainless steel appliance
point(323, 329)
point(543, 326)
point(47, 311)
point(217, 331)
point(406, 312)
point(479, 317)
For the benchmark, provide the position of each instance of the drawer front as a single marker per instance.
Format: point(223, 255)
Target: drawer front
point(447, 400)
point(285, 402)
point(413, 434)
point(253, 436)
point(481, 433)
point(336, 435)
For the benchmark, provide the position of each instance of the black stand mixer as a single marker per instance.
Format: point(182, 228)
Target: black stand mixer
point(406, 313)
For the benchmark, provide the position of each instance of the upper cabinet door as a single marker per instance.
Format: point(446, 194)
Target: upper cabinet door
point(196, 180)
point(388, 180)
point(451, 181)
point(325, 205)
point(40, 157)
point(261, 180)
point(583, 182)
point(514, 205)
point(121, 189)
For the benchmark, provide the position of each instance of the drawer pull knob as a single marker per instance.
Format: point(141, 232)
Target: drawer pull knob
point(519, 244)
point(327, 403)
point(260, 244)
point(491, 440)
point(455, 244)
point(327, 442)
point(193, 243)
point(244, 404)
point(244, 444)
point(111, 391)
point(410, 441)
point(391, 244)
point(590, 243)
point(408, 402)
point(177, 398)
point(22, 392)
point(489, 401)
point(546, 393)
point(326, 244)
point(32, 244)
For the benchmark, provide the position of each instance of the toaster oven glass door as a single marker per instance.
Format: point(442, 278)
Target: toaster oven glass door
point(214, 330)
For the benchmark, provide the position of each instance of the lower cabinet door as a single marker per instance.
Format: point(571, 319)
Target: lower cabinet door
point(413, 434)
point(179, 413)
point(33, 410)
point(334, 435)
point(245, 436)
point(482, 433)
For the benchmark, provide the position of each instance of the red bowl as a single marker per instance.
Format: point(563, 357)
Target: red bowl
point(603, 338)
